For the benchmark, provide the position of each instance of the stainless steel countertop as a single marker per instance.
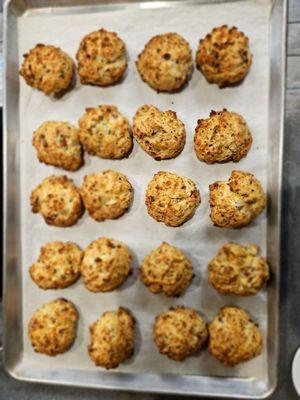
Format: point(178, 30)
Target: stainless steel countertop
point(290, 275)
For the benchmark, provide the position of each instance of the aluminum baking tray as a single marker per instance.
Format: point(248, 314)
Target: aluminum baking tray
point(24, 233)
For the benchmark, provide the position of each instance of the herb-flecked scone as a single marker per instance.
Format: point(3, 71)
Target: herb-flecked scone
point(105, 265)
point(101, 58)
point(57, 143)
point(233, 337)
point(223, 56)
point(179, 332)
point(222, 137)
point(48, 69)
point(161, 134)
point(237, 202)
point(166, 62)
point(58, 265)
point(106, 195)
point(105, 132)
point(112, 338)
point(58, 200)
point(238, 270)
point(166, 270)
point(171, 198)
point(52, 328)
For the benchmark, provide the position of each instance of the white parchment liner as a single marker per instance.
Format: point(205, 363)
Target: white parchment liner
point(198, 237)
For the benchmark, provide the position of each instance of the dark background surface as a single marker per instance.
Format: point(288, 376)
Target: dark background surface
point(290, 247)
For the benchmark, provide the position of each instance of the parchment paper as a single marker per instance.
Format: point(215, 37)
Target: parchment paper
point(198, 237)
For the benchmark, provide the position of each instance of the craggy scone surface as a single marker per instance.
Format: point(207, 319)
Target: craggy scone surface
point(106, 195)
point(171, 198)
point(223, 56)
point(238, 269)
point(236, 203)
point(58, 265)
point(179, 332)
point(233, 337)
point(160, 133)
point(106, 264)
point(105, 132)
point(52, 327)
point(167, 270)
point(112, 338)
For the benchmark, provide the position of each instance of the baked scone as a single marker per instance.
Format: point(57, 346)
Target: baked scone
point(112, 338)
point(101, 58)
point(236, 203)
point(57, 143)
point(166, 270)
point(238, 270)
point(233, 337)
point(52, 328)
point(171, 198)
point(106, 195)
point(58, 200)
point(105, 132)
point(166, 62)
point(222, 137)
point(223, 56)
point(179, 332)
point(160, 133)
point(58, 265)
point(48, 69)
point(105, 265)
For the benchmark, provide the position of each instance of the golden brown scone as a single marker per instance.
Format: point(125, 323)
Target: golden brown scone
point(222, 137)
point(106, 264)
point(166, 62)
point(52, 328)
point(233, 337)
point(101, 58)
point(238, 270)
point(166, 270)
point(223, 56)
point(105, 132)
point(179, 332)
point(160, 133)
point(48, 69)
point(112, 338)
point(57, 143)
point(106, 195)
point(58, 265)
point(236, 203)
point(58, 200)
point(171, 198)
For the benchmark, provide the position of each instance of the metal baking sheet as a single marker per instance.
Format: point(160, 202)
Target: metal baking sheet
point(259, 99)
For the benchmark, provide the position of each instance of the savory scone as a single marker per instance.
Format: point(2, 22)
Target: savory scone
point(48, 69)
point(58, 265)
point(238, 270)
point(166, 62)
point(105, 265)
point(58, 200)
point(223, 56)
point(160, 133)
point(233, 337)
point(179, 332)
point(171, 198)
point(112, 338)
point(52, 328)
point(105, 132)
point(166, 270)
point(106, 195)
point(101, 58)
point(57, 143)
point(236, 203)
point(222, 137)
